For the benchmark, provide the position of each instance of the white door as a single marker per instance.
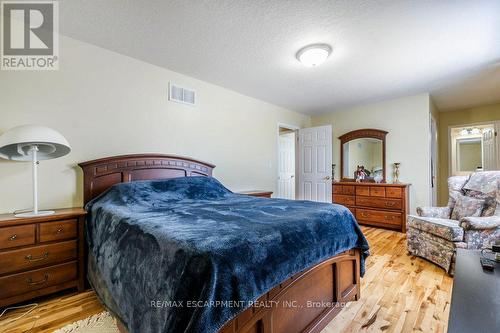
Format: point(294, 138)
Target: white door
point(286, 176)
point(315, 164)
point(489, 150)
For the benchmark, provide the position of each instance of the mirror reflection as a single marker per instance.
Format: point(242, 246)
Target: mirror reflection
point(363, 154)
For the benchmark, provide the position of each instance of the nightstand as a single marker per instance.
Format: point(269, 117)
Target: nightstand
point(257, 193)
point(41, 255)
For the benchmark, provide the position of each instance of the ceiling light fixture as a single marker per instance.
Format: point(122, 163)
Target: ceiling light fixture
point(470, 131)
point(314, 55)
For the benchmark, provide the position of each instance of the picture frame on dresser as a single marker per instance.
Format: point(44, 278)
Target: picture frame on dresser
point(41, 255)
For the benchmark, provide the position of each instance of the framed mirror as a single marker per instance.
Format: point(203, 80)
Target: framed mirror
point(362, 152)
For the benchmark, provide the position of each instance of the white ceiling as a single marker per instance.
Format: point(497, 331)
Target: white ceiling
point(382, 49)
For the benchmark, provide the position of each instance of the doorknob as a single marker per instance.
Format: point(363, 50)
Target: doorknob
point(327, 178)
point(292, 176)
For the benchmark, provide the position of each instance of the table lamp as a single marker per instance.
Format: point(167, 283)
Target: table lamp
point(33, 143)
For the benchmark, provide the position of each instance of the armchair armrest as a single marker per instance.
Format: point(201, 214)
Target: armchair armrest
point(480, 223)
point(439, 212)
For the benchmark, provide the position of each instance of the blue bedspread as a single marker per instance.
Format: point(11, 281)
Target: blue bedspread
point(157, 246)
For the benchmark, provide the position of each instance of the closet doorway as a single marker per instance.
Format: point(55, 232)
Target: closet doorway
point(287, 161)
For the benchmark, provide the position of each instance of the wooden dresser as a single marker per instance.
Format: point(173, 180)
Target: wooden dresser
point(380, 205)
point(41, 255)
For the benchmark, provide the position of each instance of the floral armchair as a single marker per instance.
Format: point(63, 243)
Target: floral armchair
point(471, 220)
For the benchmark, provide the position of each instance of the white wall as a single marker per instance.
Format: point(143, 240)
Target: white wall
point(108, 104)
point(407, 121)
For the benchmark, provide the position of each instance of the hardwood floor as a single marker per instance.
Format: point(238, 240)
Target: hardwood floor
point(399, 293)
point(52, 313)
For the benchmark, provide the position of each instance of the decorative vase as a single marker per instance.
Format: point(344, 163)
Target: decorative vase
point(378, 178)
point(396, 173)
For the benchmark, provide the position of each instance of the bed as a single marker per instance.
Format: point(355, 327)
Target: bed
point(163, 233)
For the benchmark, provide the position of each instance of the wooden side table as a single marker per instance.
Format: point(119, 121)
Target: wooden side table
point(41, 255)
point(257, 193)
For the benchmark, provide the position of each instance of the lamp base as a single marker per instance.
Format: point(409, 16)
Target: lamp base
point(33, 214)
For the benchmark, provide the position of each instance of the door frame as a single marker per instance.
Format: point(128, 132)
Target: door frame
point(497, 140)
point(294, 128)
point(434, 152)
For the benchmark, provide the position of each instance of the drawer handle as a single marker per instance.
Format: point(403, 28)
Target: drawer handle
point(365, 214)
point(32, 283)
point(29, 257)
point(59, 231)
point(390, 204)
point(13, 237)
point(390, 218)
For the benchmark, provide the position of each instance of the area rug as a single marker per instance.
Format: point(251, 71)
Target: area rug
point(99, 323)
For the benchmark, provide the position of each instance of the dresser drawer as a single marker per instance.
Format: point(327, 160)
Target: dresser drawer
point(394, 192)
point(337, 189)
point(346, 200)
point(378, 216)
point(21, 283)
point(348, 190)
point(343, 189)
point(379, 202)
point(58, 230)
point(17, 236)
point(362, 190)
point(377, 191)
point(37, 256)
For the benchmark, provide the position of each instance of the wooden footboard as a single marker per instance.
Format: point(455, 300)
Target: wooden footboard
point(306, 302)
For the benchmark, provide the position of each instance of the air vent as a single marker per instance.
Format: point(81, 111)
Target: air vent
point(181, 95)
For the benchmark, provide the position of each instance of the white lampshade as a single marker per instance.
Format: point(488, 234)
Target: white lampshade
point(33, 143)
point(16, 143)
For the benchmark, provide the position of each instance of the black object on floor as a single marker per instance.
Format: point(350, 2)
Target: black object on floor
point(475, 301)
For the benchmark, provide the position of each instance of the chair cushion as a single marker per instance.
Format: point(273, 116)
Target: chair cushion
point(455, 185)
point(485, 185)
point(485, 182)
point(466, 207)
point(490, 199)
point(480, 239)
point(441, 212)
point(444, 228)
point(490, 202)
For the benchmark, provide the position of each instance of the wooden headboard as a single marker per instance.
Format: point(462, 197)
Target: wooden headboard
point(101, 174)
